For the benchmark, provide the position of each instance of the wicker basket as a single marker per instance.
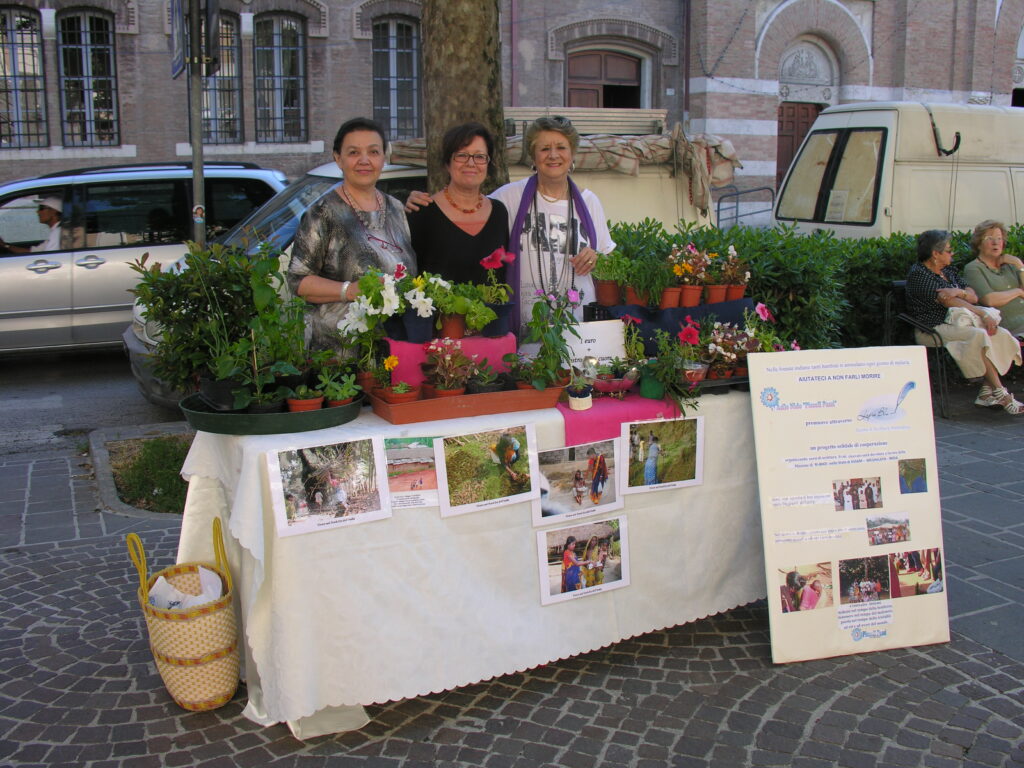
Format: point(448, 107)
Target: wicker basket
point(196, 650)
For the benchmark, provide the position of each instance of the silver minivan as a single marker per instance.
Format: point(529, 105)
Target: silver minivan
point(77, 295)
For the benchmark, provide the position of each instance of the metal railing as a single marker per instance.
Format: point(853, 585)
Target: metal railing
point(732, 193)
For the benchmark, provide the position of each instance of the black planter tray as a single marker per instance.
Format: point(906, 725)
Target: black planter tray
point(204, 419)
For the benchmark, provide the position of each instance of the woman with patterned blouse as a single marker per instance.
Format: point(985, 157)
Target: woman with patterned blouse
point(982, 348)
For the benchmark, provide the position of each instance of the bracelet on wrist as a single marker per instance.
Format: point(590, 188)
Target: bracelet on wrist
point(344, 290)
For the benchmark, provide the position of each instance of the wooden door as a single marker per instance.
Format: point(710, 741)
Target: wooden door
point(795, 120)
point(603, 79)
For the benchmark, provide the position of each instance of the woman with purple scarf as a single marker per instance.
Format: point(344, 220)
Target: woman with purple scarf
point(557, 230)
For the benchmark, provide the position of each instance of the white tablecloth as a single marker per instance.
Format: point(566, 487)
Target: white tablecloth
point(415, 603)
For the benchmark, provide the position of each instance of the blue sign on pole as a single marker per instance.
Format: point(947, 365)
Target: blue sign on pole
point(178, 41)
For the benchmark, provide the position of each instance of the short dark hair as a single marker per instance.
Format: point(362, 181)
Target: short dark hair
point(929, 241)
point(459, 136)
point(359, 124)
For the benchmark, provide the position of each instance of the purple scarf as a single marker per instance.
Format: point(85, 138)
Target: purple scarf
point(514, 239)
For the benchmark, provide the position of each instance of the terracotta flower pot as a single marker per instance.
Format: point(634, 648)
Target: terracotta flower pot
point(689, 295)
point(453, 326)
point(366, 380)
point(632, 297)
point(449, 392)
point(734, 292)
point(524, 385)
point(388, 395)
point(606, 292)
point(670, 297)
point(715, 294)
point(305, 404)
point(336, 403)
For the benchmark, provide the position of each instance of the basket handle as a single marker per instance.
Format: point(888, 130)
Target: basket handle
point(138, 556)
point(220, 554)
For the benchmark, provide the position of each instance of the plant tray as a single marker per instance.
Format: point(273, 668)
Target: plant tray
point(457, 407)
point(204, 419)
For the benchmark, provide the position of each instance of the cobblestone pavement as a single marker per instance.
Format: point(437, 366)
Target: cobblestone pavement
point(78, 686)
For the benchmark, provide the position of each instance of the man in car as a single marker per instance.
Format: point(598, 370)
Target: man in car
point(49, 213)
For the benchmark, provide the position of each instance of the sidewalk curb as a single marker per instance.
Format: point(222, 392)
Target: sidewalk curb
point(98, 439)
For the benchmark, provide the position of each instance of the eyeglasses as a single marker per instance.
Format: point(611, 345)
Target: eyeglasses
point(993, 239)
point(478, 158)
point(385, 244)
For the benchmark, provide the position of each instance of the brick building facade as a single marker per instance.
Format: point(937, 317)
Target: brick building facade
point(87, 82)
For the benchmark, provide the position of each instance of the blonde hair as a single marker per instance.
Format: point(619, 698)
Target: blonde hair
point(555, 123)
point(979, 233)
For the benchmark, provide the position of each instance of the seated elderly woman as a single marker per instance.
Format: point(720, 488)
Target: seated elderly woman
point(938, 298)
point(996, 276)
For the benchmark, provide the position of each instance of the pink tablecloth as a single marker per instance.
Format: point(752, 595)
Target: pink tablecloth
point(603, 421)
point(410, 355)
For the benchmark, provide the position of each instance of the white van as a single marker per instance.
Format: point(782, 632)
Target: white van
point(875, 168)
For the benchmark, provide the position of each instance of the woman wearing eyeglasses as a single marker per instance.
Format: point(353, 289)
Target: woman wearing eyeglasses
point(463, 226)
point(557, 229)
point(350, 230)
point(938, 298)
point(996, 276)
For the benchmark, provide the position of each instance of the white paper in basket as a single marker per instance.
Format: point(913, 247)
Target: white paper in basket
point(164, 596)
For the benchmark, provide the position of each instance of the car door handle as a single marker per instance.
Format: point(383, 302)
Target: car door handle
point(90, 262)
point(42, 266)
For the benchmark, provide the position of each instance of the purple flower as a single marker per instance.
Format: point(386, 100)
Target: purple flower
point(574, 296)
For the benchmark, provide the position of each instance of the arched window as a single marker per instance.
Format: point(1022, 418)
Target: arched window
point(396, 76)
point(603, 79)
point(222, 92)
point(88, 79)
point(279, 52)
point(22, 84)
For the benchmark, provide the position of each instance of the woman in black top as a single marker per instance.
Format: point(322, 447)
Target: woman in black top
point(465, 226)
point(976, 341)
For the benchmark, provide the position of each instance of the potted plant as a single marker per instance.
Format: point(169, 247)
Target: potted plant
point(550, 320)
point(580, 388)
point(689, 268)
point(664, 372)
point(484, 378)
point(457, 304)
point(305, 398)
point(447, 368)
point(520, 369)
point(339, 388)
point(714, 280)
point(399, 392)
point(694, 370)
point(735, 274)
point(496, 295)
point(609, 275)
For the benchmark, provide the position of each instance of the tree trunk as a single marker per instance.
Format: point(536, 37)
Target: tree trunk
point(462, 78)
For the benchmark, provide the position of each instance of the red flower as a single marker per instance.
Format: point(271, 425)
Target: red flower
point(691, 323)
point(630, 319)
point(689, 335)
point(399, 271)
point(496, 259)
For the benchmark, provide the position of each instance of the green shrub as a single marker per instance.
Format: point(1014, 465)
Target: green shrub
point(150, 478)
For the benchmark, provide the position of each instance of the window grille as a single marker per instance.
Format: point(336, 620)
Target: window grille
point(396, 77)
point(88, 80)
point(22, 82)
point(222, 92)
point(279, 47)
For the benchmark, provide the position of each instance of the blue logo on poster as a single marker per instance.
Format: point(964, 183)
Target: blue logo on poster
point(859, 634)
point(770, 397)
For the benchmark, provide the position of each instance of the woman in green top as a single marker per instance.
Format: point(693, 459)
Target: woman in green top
point(997, 277)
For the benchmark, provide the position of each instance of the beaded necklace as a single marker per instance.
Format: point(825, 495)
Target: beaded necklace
point(555, 277)
point(456, 206)
point(361, 214)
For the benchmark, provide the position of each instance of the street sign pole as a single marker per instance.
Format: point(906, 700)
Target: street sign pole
point(195, 119)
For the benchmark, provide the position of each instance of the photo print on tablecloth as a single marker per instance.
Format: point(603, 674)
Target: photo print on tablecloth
point(577, 481)
point(328, 486)
point(584, 559)
point(662, 454)
point(412, 471)
point(806, 587)
point(481, 470)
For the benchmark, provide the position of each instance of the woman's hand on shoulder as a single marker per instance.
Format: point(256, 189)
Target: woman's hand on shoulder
point(417, 200)
point(1012, 260)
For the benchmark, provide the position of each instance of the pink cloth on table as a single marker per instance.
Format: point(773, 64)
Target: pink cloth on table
point(603, 421)
point(410, 355)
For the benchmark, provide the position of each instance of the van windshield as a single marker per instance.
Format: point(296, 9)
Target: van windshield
point(277, 221)
point(835, 178)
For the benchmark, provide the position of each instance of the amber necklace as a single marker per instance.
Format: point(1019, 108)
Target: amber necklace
point(456, 206)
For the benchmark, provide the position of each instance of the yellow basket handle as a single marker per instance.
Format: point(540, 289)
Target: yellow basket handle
point(138, 556)
point(221, 555)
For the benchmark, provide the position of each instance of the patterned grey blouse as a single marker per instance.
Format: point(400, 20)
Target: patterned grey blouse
point(332, 242)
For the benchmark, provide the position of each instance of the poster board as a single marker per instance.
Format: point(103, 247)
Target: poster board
point(849, 494)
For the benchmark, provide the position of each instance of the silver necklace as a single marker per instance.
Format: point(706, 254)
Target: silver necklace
point(555, 277)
